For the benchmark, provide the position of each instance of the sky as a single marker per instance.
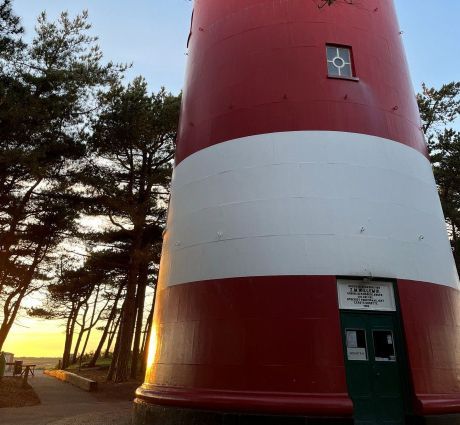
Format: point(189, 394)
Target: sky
point(152, 35)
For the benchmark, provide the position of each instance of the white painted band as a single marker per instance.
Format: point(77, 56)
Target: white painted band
point(306, 203)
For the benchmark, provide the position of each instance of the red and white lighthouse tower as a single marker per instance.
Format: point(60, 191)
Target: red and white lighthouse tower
point(306, 270)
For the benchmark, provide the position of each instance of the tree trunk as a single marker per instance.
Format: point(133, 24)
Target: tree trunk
point(77, 346)
point(3, 334)
point(113, 332)
point(125, 338)
point(140, 300)
point(107, 327)
point(113, 364)
point(70, 328)
point(83, 350)
point(80, 335)
point(9, 314)
point(97, 352)
point(145, 334)
point(7, 238)
point(66, 341)
point(126, 332)
point(91, 325)
point(11, 306)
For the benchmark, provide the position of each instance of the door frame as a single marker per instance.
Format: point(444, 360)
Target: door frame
point(400, 343)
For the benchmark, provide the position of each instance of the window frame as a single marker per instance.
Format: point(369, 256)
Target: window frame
point(393, 344)
point(356, 329)
point(352, 63)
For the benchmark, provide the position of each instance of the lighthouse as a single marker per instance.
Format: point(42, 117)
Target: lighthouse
point(306, 274)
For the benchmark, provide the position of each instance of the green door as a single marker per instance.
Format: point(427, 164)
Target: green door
point(373, 360)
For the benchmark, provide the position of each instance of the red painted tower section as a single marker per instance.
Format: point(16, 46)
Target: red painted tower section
point(259, 67)
point(287, 178)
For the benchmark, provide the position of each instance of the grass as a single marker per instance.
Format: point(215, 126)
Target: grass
point(101, 364)
point(13, 395)
point(104, 362)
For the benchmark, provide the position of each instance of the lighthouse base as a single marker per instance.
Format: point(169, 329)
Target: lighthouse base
point(148, 414)
point(442, 420)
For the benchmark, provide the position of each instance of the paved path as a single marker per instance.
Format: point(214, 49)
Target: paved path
point(64, 404)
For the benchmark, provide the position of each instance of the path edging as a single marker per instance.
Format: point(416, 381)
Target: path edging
point(72, 378)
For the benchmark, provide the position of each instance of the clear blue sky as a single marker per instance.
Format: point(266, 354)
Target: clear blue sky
point(152, 34)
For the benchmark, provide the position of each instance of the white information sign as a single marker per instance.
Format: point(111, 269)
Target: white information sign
point(366, 296)
point(356, 354)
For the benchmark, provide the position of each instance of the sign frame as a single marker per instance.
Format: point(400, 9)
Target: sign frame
point(363, 295)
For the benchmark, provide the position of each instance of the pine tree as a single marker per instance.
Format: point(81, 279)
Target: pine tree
point(10, 33)
point(439, 109)
point(126, 178)
point(47, 90)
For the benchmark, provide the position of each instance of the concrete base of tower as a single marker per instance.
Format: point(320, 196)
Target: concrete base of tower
point(441, 420)
point(149, 414)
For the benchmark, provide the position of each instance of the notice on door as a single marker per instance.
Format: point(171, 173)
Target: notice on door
point(356, 354)
point(356, 344)
point(366, 296)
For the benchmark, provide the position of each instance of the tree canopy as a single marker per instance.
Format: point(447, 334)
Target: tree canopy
point(47, 89)
point(126, 177)
point(440, 110)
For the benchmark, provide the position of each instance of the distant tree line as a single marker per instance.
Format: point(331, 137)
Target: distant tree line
point(85, 168)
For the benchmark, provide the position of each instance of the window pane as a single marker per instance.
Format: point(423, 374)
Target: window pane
point(339, 62)
point(332, 70)
point(356, 345)
point(346, 71)
point(384, 348)
point(345, 54)
point(331, 53)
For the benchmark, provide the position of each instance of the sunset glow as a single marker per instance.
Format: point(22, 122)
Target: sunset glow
point(39, 338)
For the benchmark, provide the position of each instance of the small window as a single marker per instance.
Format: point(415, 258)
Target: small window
point(356, 345)
point(384, 347)
point(339, 62)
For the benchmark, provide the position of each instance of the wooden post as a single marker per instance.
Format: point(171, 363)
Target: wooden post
point(25, 377)
point(17, 367)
